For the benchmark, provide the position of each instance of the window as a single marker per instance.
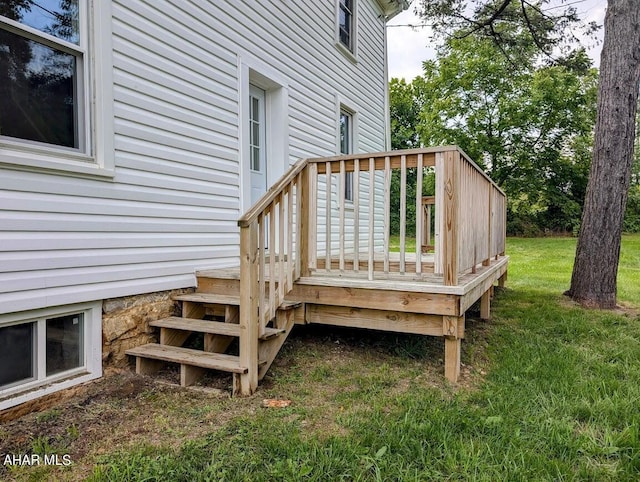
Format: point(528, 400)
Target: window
point(48, 77)
point(41, 91)
point(346, 147)
point(21, 357)
point(346, 28)
point(345, 23)
point(49, 350)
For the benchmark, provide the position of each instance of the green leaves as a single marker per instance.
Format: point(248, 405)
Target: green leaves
point(528, 124)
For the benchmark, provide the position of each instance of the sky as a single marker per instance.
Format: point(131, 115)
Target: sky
point(409, 47)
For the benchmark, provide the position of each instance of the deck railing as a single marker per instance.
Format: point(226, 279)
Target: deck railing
point(304, 224)
point(469, 215)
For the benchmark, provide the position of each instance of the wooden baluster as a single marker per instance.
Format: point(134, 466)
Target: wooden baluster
point(487, 260)
point(372, 195)
point(341, 227)
point(356, 215)
point(387, 211)
point(261, 273)
point(428, 223)
point(290, 223)
point(303, 259)
point(281, 244)
point(313, 215)
point(451, 184)
point(438, 222)
point(419, 215)
point(328, 219)
point(272, 259)
point(403, 211)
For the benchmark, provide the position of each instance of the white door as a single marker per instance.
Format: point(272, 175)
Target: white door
point(257, 143)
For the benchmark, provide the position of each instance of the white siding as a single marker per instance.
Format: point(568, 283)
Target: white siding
point(172, 206)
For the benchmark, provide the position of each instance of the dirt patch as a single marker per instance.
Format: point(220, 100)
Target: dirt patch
point(326, 372)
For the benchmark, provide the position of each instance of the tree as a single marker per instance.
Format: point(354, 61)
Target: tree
point(593, 281)
point(511, 119)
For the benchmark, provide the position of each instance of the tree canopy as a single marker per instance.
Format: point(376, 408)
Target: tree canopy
point(528, 124)
point(515, 25)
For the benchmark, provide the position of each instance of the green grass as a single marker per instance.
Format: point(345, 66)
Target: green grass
point(560, 400)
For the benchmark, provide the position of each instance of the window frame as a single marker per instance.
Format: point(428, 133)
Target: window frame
point(348, 186)
point(39, 383)
point(94, 155)
point(350, 51)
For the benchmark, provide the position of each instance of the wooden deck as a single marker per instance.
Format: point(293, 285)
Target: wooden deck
point(298, 264)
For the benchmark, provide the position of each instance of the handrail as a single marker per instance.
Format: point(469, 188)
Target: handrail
point(269, 196)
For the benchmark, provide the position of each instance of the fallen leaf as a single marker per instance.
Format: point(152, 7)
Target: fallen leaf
point(274, 403)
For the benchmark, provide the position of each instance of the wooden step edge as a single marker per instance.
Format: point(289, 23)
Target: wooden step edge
point(220, 273)
point(198, 325)
point(271, 333)
point(289, 305)
point(209, 327)
point(189, 356)
point(208, 298)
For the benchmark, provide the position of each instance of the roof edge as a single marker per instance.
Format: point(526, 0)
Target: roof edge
point(391, 8)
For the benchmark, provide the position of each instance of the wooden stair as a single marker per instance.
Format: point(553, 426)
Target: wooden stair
point(216, 317)
point(210, 327)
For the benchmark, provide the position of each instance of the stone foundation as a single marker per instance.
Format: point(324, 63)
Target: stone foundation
point(125, 322)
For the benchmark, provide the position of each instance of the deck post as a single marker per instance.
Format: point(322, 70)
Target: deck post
point(451, 184)
point(502, 280)
point(453, 330)
point(248, 309)
point(485, 305)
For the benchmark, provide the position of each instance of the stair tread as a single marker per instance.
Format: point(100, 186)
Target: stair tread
point(209, 298)
point(189, 356)
point(206, 326)
point(212, 298)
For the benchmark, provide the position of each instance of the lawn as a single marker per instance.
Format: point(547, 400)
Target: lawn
point(549, 391)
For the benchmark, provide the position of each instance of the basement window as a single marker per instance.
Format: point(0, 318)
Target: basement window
point(49, 347)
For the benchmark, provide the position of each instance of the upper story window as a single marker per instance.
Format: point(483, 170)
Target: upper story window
point(346, 28)
point(52, 85)
point(345, 23)
point(41, 85)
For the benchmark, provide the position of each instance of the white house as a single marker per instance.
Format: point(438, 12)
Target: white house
point(134, 133)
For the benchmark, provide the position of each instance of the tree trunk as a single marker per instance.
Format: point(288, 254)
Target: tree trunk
point(593, 282)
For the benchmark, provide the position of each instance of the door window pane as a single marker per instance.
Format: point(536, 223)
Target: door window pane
point(64, 343)
point(345, 148)
point(16, 353)
point(55, 17)
point(255, 143)
point(38, 95)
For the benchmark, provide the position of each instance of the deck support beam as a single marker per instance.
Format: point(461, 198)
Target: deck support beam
point(146, 366)
point(502, 280)
point(485, 305)
point(452, 358)
point(453, 330)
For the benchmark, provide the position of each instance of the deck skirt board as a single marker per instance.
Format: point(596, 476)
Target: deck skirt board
point(414, 323)
point(378, 299)
point(188, 356)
